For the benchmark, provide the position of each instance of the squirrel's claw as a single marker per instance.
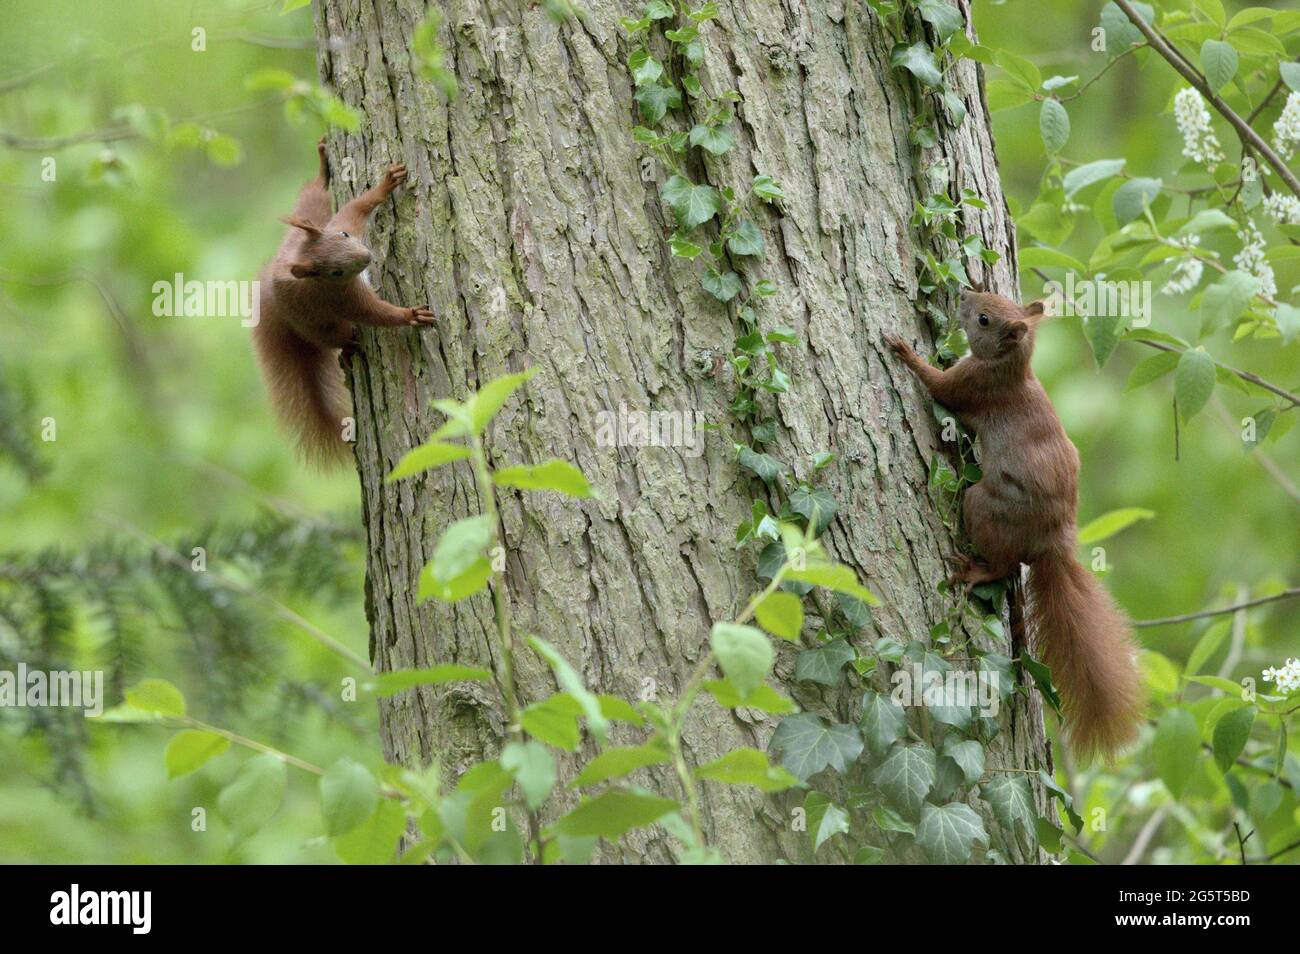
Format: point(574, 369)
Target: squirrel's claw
point(897, 343)
point(422, 316)
point(395, 175)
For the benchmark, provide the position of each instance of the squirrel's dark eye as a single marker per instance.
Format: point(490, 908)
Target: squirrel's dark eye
point(338, 273)
point(345, 235)
point(984, 319)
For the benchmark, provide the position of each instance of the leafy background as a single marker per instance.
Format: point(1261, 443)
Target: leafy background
point(163, 430)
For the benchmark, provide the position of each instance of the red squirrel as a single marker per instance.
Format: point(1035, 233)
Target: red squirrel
point(1023, 511)
point(312, 297)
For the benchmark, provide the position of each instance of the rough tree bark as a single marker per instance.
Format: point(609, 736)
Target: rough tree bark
point(529, 229)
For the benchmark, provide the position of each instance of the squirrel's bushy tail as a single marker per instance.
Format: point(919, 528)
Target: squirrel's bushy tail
point(307, 391)
point(1086, 640)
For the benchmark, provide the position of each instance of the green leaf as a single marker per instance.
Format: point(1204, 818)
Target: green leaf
point(1290, 73)
point(533, 767)
point(554, 721)
point(746, 239)
point(644, 67)
point(807, 745)
point(572, 683)
point(1103, 334)
point(1151, 369)
point(157, 696)
point(1080, 177)
point(744, 653)
point(1120, 32)
point(714, 139)
point(557, 475)
point(835, 577)
point(617, 761)
point(190, 748)
point(249, 801)
point(968, 755)
point(374, 841)
point(883, 722)
point(659, 10)
point(906, 777)
point(1218, 62)
point(426, 457)
point(1207, 646)
point(614, 812)
point(1038, 256)
point(1054, 125)
point(458, 559)
point(918, 59)
point(1012, 802)
point(814, 504)
point(746, 766)
point(764, 698)
point(723, 286)
point(389, 683)
point(945, 19)
point(484, 405)
point(349, 795)
point(1287, 319)
point(692, 204)
point(949, 833)
point(1230, 735)
point(768, 468)
point(767, 188)
point(1193, 382)
point(291, 5)
point(655, 99)
point(781, 614)
point(1176, 748)
point(1226, 299)
point(1019, 69)
point(825, 818)
point(1109, 524)
point(823, 664)
point(1132, 197)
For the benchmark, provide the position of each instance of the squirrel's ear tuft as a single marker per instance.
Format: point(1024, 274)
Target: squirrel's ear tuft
point(977, 286)
point(1035, 309)
point(301, 223)
point(303, 270)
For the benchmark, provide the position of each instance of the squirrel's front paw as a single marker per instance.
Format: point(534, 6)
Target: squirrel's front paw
point(897, 343)
point(420, 316)
point(395, 176)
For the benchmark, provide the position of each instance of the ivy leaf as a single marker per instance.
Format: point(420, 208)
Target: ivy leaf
point(744, 653)
point(1012, 802)
point(768, 468)
point(723, 286)
point(533, 767)
point(1109, 524)
point(614, 812)
point(825, 818)
point(746, 239)
point(823, 664)
point(644, 67)
point(781, 614)
point(692, 204)
point(348, 796)
point(655, 99)
point(883, 722)
point(917, 59)
point(1054, 125)
point(714, 139)
point(190, 748)
point(1230, 735)
point(557, 475)
point(1193, 382)
point(949, 833)
point(814, 504)
point(906, 777)
point(807, 745)
point(746, 766)
point(968, 755)
point(254, 795)
point(1176, 748)
point(659, 10)
point(767, 188)
point(1219, 62)
point(945, 19)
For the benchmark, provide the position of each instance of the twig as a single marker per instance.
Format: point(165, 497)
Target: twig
point(1145, 835)
point(1186, 617)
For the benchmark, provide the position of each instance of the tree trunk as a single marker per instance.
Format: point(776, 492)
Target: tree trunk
point(531, 230)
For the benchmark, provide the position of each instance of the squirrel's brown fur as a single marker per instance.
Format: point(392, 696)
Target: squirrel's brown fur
point(313, 296)
point(1023, 511)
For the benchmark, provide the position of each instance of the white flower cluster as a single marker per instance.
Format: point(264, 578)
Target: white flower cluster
point(1193, 118)
point(1287, 678)
point(1286, 131)
point(1251, 259)
point(1285, 209)
point(1187, 274)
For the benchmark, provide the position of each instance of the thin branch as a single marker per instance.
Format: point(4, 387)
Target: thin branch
point(1102, 72)
point(1187, 617)
point(1257, 454)
point(1185, 69)
point(1145, 835)
point(1250, 376)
